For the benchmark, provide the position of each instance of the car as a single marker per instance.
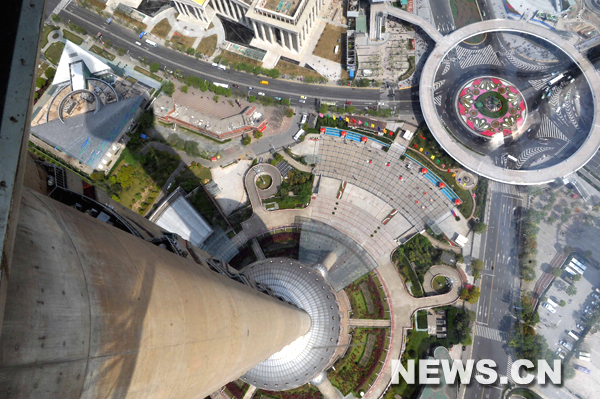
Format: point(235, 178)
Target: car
point(348, 102)
point(595, 296)
point(580, 326)
point(586, 311)
point(236, 86)
point(260, 93)
point(260, 160)
point(303, 97)
point(549, 307)
point(277, 98)
point(581, 368)
point(302, 101)
point(250, 88)
point(304, 119)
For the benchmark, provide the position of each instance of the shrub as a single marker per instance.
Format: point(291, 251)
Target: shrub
point(55, 18)
point(289, 113)
point(246, 140)
point(154, 67)
point(251, 99)
point(108, 43)
point(258, 134)
point(216, 99)
point(50, 73)
point(184, 88)
point(40, 82)
point(168, 87)
point(121, 51)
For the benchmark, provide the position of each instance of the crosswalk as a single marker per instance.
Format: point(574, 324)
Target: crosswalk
point(548, 130)
point(484, 56)
point(446, 67)
point(570, 111)
point(539, 83)
point(528, 153)
point(511, 359)
point(61, 6)
point(438, 100)
point(556, 96)
point(438, 84)
point(489, 333)
point(509, 54)
point(498, 187)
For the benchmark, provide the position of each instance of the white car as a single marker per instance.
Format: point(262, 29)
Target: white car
point(260, 93)
point(302, 101)
point(549, 307)
point(304, 119)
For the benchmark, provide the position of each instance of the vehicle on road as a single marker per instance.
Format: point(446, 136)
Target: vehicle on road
point(298, 134)
point(223, 85)
point(260, 93)
point(304, 119)
point(236, 86)
point(555, 79)
point(303, 97)
point(302, 101)
point(549, 307)
point(277, 98)
point(222, 67)
point(215, 65)
point(150, 42)
point(108, 21)
point(264, 82)
point(138, 43)
point(250, 88)
point(98, 35)
point(143, 33)
point(350, 102)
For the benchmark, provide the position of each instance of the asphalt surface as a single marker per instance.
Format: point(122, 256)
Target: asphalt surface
point(405, 100)
point(442, 16)
point(499, 290)
point(278, 141)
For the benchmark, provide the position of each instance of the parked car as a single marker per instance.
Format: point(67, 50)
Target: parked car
point(277, 98)
point(348, 102)
point(260, 93)
point(304, 119)
point(580, 326)
point(581, 368)
point(236, 86)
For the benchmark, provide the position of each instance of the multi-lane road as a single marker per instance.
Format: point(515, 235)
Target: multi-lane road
point(404, 100)
point(500, 285)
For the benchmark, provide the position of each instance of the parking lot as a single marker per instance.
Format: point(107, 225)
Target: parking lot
point(555, 327)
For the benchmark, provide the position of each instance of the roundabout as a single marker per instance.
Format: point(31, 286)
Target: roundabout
point(506, 116)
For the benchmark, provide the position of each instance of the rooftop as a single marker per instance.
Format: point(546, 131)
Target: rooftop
point(71, 55)
point(286, 7)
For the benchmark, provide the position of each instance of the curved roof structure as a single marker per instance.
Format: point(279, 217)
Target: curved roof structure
point(303, 359)
point(548, 135)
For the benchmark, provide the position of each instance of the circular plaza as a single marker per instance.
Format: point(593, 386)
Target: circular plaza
point(517, 107)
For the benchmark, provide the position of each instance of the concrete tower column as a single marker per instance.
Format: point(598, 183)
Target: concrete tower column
point(93, 311)
point(257, 32)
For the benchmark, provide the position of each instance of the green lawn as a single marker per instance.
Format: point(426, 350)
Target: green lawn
point(102, 53)
point(148, 73)
point(46, 32)
point(263, 182)
point(72, 37)
point(54, 52)
point(417, 344)
point(357, 299)
point(422, 318)
point(439, 283)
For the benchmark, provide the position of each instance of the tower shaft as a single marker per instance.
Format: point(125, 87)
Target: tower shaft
point(93, 311)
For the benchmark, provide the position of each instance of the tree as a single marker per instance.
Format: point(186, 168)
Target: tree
point(324, 108)
point(460, 258)
point(556, 271)
point(285, 102)
point(562, 303)
point(567, 250)
point(571, 290)
point(251, 99)
point(258, 134)
point(146, 120)
point(55, 18)
point(216, 99)
point(154, 67)
point(97, 176)
point(40, 82)
point(588, 254)
point(551, 220)
point(527, 273)
point(168, 87)
point(191, 148)
point(477, 266)
point(184, 88)
point(351, 109)
point(246, 140)
point(535, 191)
point(480, 228)
point(289, 113)
point(50, 73)
point(107, 43)
point(576, 277)
point(121, 51)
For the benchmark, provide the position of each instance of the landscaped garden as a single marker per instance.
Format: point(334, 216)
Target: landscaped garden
point(440, 285)
point(72, 37)
point(466, 12)
point(332, 36)
point(148, 73)
point(366, 298)
point(300, 185)
point(263, 182)
point(46, 32)
point(54, 52)
point(361, 363)
point(305, 391)
point(102, 53)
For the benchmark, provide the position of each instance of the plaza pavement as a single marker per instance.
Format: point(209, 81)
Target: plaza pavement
point(477, 162)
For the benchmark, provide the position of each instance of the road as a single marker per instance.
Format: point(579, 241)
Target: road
point(404, 100)
point(499, 284)
point(280, 140)
point(442, 16)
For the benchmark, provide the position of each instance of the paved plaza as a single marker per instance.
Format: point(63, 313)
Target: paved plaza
point(379, 172)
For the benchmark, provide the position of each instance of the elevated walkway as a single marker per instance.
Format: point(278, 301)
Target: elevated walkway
point(405, 16)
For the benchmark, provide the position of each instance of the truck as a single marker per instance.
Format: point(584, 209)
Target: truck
point(566, 344)
point(223, 85)
point(581, 368)
point(556, 79)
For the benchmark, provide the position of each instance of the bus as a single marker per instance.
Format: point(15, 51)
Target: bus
point(576, 268)
point(223, 85)
point(570, 271)
point(573, 335)
point(150, 42)
point(264, 82)
point(556, 79)
point(298, 134)
point(324, 102)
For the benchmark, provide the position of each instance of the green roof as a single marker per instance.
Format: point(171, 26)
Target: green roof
point(361, 23)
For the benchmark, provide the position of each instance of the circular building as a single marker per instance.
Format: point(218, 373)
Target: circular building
point(306, 357)
point(516, 105)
